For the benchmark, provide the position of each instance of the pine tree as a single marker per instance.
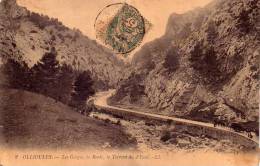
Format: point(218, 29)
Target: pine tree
point(83, 89)
point(213, 72)
point(65, 82)
point(17, 74)
point(196, 56)
point(212, 32)
point(46, 73)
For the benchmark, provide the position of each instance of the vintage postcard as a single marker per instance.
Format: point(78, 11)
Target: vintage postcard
point(129, 82)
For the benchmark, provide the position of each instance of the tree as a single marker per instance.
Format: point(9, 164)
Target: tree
point(243, 22)
point(83, 89)
point(17, 74)
point(65, 84)
point(171, 62)
point(212, 71)
point(204, 60)
point(212, 32)
point(196, 56)
point(46, 73)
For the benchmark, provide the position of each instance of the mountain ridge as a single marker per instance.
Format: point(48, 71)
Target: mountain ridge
point(29, 35)
point(202, 68)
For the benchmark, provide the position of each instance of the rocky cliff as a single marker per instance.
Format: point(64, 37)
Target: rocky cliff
point(204, 66)
point(27, 36)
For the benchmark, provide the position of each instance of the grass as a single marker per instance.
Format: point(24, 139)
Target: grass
point(34, 121)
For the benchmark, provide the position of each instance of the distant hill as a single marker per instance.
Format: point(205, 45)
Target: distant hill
point(204, 66)
point(27, 36)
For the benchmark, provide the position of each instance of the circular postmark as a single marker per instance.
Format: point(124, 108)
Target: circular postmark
point(120, 27)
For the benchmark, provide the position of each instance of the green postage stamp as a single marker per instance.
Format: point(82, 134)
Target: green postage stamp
point(121, 27)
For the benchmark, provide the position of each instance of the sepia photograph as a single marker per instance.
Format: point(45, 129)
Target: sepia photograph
point(129, 82)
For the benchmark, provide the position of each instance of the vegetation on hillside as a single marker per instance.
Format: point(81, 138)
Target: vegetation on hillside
point(48, 77)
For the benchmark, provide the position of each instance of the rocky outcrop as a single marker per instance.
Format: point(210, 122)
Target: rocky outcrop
point(27, 36)
point(215, 53)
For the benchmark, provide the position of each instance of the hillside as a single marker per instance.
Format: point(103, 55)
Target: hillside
point(27, 36)
point(35, 121)
point(204, 67)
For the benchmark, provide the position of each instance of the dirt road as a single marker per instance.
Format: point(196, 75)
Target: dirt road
point(101, 100)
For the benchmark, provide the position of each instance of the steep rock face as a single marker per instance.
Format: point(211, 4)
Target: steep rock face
point(207, 67)
point(27, 36)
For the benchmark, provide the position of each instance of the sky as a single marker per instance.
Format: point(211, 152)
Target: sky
point(81, 14)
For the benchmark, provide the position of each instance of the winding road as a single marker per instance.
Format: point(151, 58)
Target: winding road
point(100, 100)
